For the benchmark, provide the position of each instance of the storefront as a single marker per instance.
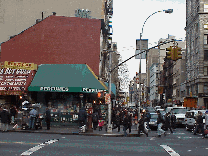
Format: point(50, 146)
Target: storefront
point(15, 77)
point(65, 88)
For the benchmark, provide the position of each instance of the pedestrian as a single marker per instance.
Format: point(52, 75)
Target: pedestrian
point(129, 122)
point(5, 119)
point(167, 122)
point(117, 122)
point(125, 124)
point(95, 118)
point(206, 120)
point(147, 119)
point(48, 118)
point(100, 124)
point(82, 117)
point(13, 113)
point(173, 121)
point(141, 127)
point(33, 114)
point(199, 124)
point(160, 122)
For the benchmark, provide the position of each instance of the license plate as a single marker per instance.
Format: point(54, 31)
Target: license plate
point(151, 122)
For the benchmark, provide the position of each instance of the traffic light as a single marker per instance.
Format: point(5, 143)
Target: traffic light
point(170, 53)
point(178, 54)
point(100, 94)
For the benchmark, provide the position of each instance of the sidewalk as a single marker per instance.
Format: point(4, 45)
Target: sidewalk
point(75, 131)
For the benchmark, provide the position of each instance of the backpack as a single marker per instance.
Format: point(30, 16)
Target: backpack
point(95, 118)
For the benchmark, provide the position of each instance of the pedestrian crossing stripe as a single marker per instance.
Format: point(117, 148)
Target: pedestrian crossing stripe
point(32, 150)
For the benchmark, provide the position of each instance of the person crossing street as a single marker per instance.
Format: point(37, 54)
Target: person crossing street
point(160, 122)
point(199, 124)
point(141, 127)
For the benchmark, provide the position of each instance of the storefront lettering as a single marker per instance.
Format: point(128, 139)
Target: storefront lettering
point(14, 71)
point(89, 90)
point(63, 89)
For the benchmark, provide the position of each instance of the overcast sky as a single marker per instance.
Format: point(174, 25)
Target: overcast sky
point(129, 17)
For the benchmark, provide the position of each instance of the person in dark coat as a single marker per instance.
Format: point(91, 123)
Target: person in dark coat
point(141, 126)
point(147, 118)
point(167, 122)
point(95, 118)
point(5, 119)
point(13, 113)
point(125, 124)
point(173, 121)
point(48, 118)
point(117, 122)
point(82, 117)
point(129, 122)
point(199, 124)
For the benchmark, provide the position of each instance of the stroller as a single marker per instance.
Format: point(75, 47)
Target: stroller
point(38, 122)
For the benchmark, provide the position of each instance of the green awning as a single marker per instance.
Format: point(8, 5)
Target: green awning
point(113, 87)
point(66, 78)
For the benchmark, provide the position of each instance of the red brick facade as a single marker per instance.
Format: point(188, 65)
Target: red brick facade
point(57, 40)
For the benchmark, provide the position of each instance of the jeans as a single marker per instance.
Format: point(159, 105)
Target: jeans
point(124, 129)
point(159, 129)
point(4, 126)
point(32, 122)
point(13, 119)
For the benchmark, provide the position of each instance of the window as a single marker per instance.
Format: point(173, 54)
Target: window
point(205, 7)
point(205, 55)
point(205, 38)
point(205, 87)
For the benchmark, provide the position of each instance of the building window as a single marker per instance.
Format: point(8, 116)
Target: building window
point(205, 7)
point(205, 38)
point(205, 87)
point(205, 55)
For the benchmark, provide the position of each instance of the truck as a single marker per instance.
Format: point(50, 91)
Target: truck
point(179, 112)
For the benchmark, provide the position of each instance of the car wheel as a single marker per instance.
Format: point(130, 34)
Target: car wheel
point(187, 127)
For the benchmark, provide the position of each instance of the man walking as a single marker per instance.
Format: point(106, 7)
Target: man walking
point(48, 118)
point(167, 122)
point(5, 119)
point(173, 121)
point(82, 117)
point(117, 122)
point(199, 124)
point(125, 125)
point(141, 126)
point(13, 113)
point(160, 122)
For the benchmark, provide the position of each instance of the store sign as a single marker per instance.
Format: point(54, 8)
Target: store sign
point(89, 90)
point(14, 81)
point(59, 89)
point(20, 65)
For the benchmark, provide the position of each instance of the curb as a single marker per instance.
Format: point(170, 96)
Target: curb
point(74, 133)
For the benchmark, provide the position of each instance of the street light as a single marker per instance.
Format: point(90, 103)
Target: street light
point(140, 47)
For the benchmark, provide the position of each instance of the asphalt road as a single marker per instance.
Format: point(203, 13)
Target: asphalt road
point(181, 143)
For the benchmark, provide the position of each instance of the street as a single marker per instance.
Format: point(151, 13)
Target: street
point(182, 143)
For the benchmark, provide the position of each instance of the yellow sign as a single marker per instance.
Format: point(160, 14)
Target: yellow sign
point(20, 65)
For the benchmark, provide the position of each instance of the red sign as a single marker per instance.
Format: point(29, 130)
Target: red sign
point(137, 80)
point(15, 81)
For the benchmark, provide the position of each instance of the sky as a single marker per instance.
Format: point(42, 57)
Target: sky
point(129, 17)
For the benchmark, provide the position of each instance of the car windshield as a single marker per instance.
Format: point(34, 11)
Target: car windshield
point(190, 114)
point(179, 110)
point(154, 116)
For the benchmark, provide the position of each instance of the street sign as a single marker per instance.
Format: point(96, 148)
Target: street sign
point(107, 98)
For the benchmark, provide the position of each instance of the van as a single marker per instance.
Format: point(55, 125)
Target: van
point(179, 112)
point(190, 118)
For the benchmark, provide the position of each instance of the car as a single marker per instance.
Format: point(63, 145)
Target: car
point(153, 120)
point(157, 107)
